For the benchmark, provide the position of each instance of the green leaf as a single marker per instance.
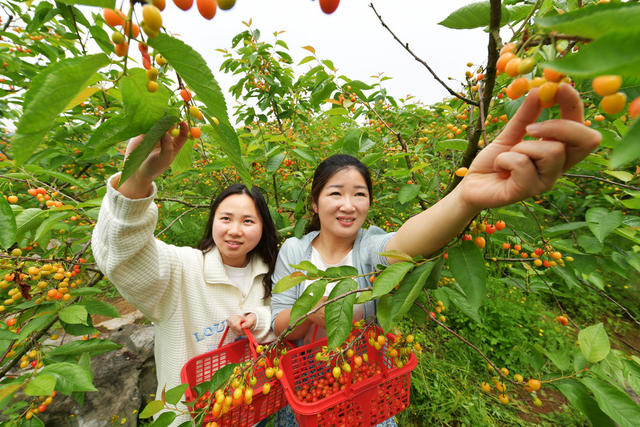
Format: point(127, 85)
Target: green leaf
point(8, 390)
point(410, 288)
point(632, 370)
point(351, 142)
point(174, 395)
point(165, 419)
point(623, 176)
point(467, 265)
point(42, 235)
point(93, 347)
point(221, 376)
point(602, 222)
point(36, 324)
point(614, 402)
point(593, 21)
point(29, 220)
point(299, 229)
point(473, 15)
point(7, 335)
point(567, 276)
point(40, 385)
point(184, 159)
point(339, 272)
point(578, 395)
point(151, 409)
point(322, 92)
point(196, 74)
point(312, 270)
point(390, 277)
point(462, 303)
point(74, 315)
point(141, 109)
point(615, 53)
point(590, 244)
point(452, 144)
point(384, 312)
point(309, 298)
point(49, 94)
point(594, 343)
point(339, 314)
point(307, 59)
point(98, 3)
point(151, 138)
point(7, 225)
point(274, 162)
point(408, 192)
point(564, 228)
point(628, 150)
point(394, 254)
point(103, 308)
point(364, 297)
point(288, 282)
point(70, 377)
point(560, 358)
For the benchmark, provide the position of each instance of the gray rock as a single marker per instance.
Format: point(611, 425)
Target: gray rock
point(125, 379)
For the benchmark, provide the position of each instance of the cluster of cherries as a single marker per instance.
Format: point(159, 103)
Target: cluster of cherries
point(328, 384)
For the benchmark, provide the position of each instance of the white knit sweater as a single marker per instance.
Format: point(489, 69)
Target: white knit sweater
point(186, 294)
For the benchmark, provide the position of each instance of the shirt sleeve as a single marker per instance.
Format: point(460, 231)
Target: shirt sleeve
point(374, 242)
point(286, 299)
point(262, 331)
point(146, 271)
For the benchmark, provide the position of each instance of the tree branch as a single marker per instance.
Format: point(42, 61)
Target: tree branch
point(435, 76)
point(630, 187)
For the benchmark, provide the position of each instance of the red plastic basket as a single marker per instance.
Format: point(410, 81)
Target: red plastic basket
point(365, 403)
point(202, 367)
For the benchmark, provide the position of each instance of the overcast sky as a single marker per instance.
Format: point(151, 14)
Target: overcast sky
point(352, 37)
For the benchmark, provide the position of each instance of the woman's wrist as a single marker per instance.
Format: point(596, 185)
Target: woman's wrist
point(134, 188)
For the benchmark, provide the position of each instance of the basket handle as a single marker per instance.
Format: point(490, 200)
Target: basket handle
point(248, 334)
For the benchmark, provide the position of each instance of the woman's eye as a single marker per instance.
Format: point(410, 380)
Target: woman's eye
point(361, 194)
point(248, 221)
point(335, 193)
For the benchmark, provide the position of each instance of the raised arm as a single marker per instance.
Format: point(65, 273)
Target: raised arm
point(141, 267)
point(506, 171)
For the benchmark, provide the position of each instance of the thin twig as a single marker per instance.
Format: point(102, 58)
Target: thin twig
point(604, 294)
point(191, 205)
point(490, 79)
point(6, 24)
point(630, 187)
point(452, 332)
point(41, 332)
point(405, 148)
point(174, 221)
point(526, 20)
point(435, 76)
point(535, 217)
point(556, 299)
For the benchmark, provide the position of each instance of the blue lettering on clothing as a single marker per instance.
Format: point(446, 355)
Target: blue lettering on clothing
point(209, 330)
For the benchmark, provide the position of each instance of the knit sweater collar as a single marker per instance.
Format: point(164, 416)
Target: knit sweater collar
point(214, 272)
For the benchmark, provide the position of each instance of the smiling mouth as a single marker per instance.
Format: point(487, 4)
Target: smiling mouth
point(233, 243)
point(346, 220)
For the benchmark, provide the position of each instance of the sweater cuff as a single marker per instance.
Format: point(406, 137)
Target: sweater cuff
point(263, 322)
point(124, 207)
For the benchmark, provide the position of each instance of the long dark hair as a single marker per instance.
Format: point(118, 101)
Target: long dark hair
point(328, 168)
point(267, 247)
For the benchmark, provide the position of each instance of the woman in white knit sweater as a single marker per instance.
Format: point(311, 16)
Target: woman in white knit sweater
point(190, 294)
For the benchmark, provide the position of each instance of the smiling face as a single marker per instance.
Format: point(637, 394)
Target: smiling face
point(343, 204)
point(237, 229)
